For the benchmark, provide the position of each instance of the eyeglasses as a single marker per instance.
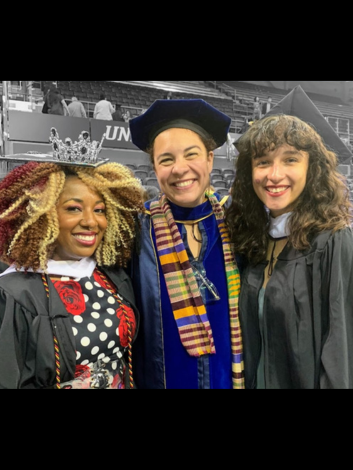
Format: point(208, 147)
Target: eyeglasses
point(208, 290)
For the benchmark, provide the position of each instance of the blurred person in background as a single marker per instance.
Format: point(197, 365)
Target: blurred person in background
point(103, 109)
point(117, 114)
point(76, 108)
point(127, 116)
point(56, 103)
point(257, 109)
point(266, 106)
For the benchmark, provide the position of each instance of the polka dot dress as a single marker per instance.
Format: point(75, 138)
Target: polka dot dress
point(99, 327)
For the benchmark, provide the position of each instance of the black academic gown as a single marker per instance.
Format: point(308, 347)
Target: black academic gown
point(27, 322)
point(3, 266)
point(308, 317)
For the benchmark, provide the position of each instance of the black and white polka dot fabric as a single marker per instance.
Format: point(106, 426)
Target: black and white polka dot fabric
point(99, 327)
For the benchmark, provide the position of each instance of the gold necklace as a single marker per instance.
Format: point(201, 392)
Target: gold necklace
point(191, 222)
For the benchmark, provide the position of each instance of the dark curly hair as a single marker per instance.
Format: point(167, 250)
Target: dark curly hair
point(323, 205)
point(29, 224)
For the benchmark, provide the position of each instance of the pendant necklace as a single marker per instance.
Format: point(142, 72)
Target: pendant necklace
point(193, 234)
point(273, 258)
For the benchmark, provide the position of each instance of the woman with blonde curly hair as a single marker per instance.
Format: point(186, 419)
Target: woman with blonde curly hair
point(291, 218)
point(67, 308)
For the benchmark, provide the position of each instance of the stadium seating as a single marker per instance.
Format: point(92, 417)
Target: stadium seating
point(150, 181)
point(144, 167)
point(222, 191)
point(235, 98)
point(142, 174)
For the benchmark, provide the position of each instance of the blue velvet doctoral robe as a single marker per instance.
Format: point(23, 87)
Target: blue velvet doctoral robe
point(159, 358)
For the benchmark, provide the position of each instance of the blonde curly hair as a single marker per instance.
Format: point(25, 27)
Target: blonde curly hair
point(29, 225)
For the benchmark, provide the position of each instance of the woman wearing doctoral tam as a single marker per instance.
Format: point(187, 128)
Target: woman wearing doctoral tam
point(186, 278)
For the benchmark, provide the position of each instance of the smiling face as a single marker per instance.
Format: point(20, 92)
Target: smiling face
point(279, 178)
point(182, 166)
point(82, 221)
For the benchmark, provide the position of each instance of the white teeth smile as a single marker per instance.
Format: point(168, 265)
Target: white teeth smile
point(276, 190)
point(87, 238)
point(183, 183)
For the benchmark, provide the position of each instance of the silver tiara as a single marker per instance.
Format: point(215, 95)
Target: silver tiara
point(81, 153)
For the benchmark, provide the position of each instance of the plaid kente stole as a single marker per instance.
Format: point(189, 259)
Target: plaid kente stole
point(186, 301)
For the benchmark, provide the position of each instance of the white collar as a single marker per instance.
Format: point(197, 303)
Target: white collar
point(76, 269)
point(278, 226)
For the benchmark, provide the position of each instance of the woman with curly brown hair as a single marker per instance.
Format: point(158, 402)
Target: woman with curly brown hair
point(291, 217)
point(67, 308)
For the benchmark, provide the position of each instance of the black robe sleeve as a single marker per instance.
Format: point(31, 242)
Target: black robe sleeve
point(27, 358)
point(14, 321)
point(337, 282)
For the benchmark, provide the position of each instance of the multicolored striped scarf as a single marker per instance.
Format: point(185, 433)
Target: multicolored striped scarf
point(188, 308)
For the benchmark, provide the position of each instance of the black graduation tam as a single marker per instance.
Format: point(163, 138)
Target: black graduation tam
point(194, 114)
point(297, 103)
